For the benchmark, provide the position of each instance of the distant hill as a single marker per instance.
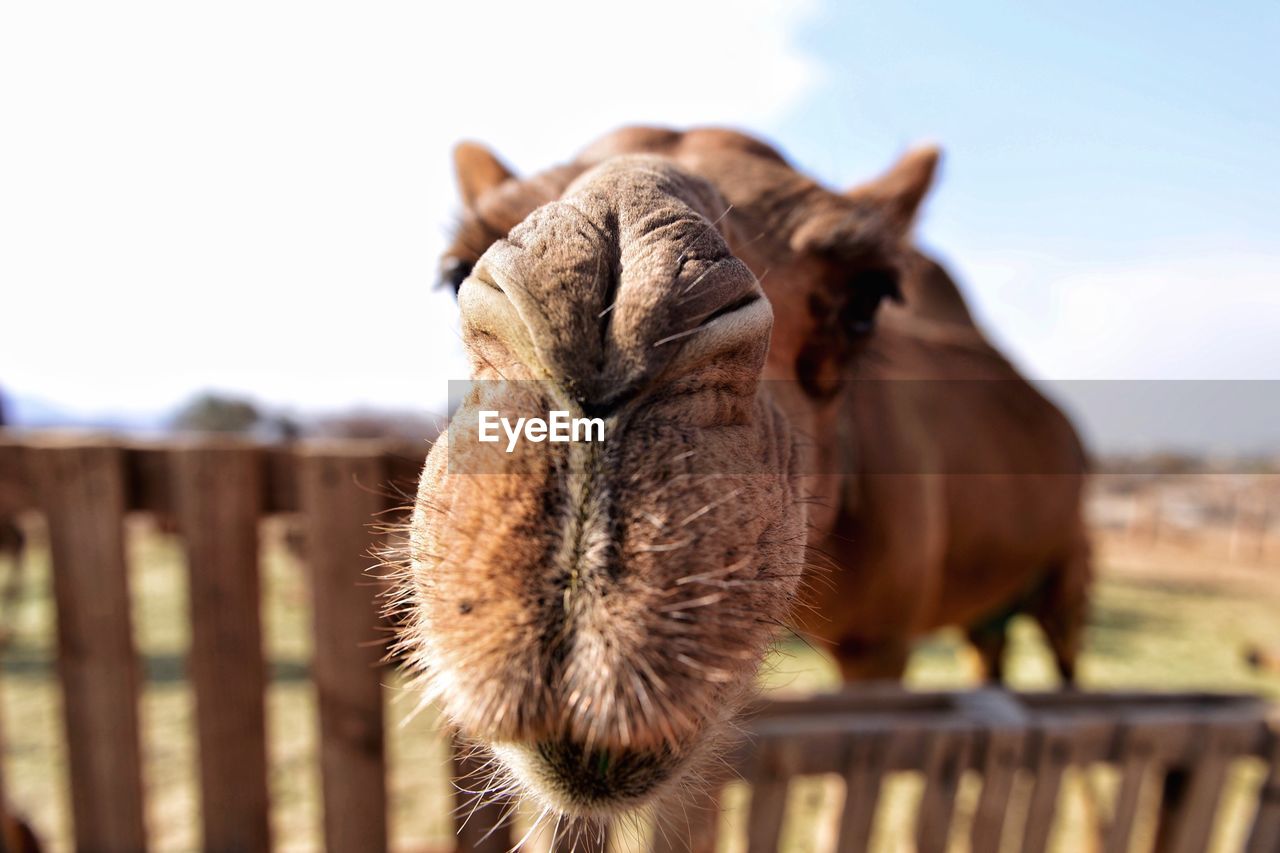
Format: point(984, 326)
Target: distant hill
point(35, 413)
point(28, 412)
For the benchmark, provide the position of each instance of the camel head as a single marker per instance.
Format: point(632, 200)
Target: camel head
point(594, 613)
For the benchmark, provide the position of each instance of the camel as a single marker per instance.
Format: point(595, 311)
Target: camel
point(805, 428)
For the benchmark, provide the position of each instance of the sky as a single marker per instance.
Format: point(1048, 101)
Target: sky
point(251, 197)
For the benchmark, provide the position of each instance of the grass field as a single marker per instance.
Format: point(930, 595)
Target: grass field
point(1163, 620)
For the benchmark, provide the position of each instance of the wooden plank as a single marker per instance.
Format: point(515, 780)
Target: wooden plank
point(482, 822)
point(1002, 757)
point(1173, 792)
point(863, 777)
point(1000, 743)
point(15, 491)
point(339, 497)
point(896, 700)
point(81, 489)
point(1092, 742)
point(8, 823)
point(770, 780)
point(1191, 798)
point(818, 738)
point(949, 756)
point(1134, 772)
point(1264, 835)
point(1053, 754)
point(876, 697)
point(218, 491)
point(1111, 701)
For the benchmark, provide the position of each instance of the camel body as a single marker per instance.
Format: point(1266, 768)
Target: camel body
point(964, 502)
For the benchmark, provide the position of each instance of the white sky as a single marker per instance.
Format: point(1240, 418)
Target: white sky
point(252, 196)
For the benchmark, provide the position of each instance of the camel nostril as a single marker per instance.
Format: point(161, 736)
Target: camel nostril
point(590, 777)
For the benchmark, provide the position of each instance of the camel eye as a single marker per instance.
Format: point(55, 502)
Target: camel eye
point(453, 271)
point(866, 291)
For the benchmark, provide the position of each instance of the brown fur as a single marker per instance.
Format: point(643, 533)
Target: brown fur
point(545, 597)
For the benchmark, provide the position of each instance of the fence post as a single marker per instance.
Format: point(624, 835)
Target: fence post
point(218, 496)
point(1135, 771)
point(864, 769)
point(1053, 754)
point(81, 489)
point(770, 780)
point(1191, 794)
point(1265, 834)
point(947, 759)
point(338, 491)
point(6, 840)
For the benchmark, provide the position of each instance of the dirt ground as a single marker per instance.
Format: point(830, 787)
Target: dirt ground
point(1164, 617)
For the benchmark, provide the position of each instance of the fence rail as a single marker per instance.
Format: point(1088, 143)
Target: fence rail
point(1178, 747)
point(1173, 751)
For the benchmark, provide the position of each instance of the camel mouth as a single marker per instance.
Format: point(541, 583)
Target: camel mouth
point(589, 782)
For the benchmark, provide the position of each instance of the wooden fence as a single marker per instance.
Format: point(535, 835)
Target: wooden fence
point(1173, 754)
point(217, 492)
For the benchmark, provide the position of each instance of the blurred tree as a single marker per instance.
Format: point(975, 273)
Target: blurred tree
point(211, 412)
point(285, 428)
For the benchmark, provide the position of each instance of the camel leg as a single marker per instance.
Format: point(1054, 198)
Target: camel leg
point(1062, 610)
point(989, 639)
point(872, 660)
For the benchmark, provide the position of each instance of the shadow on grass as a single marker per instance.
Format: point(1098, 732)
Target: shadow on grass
point(1126, 619)
point(1114, 630)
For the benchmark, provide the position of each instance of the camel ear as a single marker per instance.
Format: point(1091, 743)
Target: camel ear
point(477, 170)
point(871, 219)
point(899, 192)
